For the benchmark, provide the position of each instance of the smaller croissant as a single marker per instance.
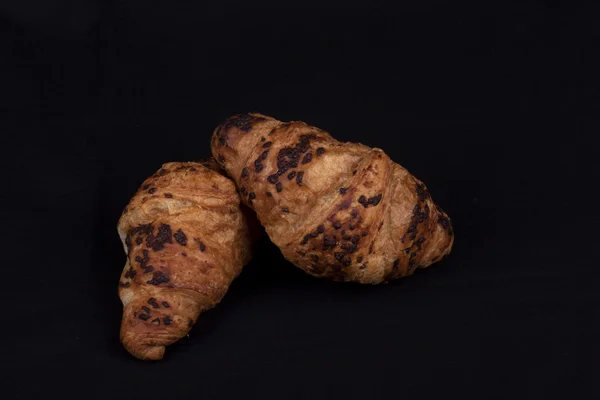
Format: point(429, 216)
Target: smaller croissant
point(186, 239)
point(337, 210)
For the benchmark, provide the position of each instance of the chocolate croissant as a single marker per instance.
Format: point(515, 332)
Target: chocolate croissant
point(337, 210)
point(186, 239)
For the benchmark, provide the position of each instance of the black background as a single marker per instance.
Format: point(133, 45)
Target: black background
point(493, 105)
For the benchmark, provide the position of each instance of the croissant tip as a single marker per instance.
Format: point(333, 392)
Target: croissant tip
point(150, 353)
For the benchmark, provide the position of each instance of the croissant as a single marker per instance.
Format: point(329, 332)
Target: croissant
point(342, 211)
point(186, 239)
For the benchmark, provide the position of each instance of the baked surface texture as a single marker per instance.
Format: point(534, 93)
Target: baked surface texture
point(342, 211)
point(186, 240)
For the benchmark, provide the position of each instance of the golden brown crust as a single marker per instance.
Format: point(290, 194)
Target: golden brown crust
point(186, 239)
point(337, 210)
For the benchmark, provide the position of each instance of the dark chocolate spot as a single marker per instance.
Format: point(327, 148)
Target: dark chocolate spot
point(416, 218)
point(153, 303)
point(279, 187)
point(258, 166)
point(246, 128)
point(331, 242)
point(347, 260)
point(165, 304)
point(162, 172)
point(273, 178)
point(374, 200)
point(180, 237)
point(130, 273)
point(269, 194)
point(365, 233)
point(202, 246)
point(291, 175)
point(320, 151)
point(264, 155)
point(124, 284)
point(337, 225)
point(167, 320)
point(138, 240)
point(152, 191)
point(157, 278)
point(162, 237)
point(144, 261)
point(354, 213)
point(143, 317)
point(243, 190)
point(424, 215)
point(146, 309)
point(363, 200)
point(307, 158)
point(343, 190)
point(168, 195)
point(287, 158)
point(244, 172)
point(285, 210)
point(146, 186)
point(221, 159)
point(359, 259)
point(268, 144)
point(299, 177)
point(252, 195)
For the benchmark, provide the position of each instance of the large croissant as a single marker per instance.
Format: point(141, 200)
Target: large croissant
point(186, 239)
point(343, 211)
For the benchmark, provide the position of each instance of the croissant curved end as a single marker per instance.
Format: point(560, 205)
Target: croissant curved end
point(145, 352)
